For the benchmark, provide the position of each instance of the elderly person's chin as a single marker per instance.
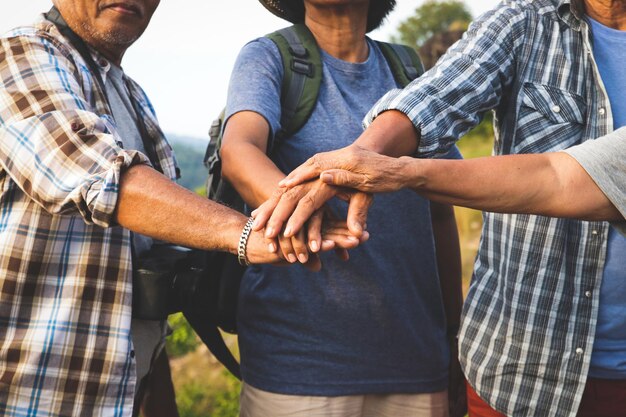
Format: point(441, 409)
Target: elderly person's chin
point(109, 25)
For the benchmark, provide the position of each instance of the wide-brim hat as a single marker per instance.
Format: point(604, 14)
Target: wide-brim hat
point(293, 10)
point(290, 10)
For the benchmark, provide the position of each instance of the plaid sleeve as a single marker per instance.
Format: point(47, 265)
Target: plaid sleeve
point(53, 145)
point(448, 100)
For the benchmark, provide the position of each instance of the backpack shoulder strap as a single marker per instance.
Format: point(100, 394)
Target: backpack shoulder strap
point(404, 62)
point(302, 63)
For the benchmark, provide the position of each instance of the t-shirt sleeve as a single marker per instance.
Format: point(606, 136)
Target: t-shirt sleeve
point(255, 83)
point(604, 159)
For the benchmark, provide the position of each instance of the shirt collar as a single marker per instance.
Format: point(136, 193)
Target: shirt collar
point(571, 12)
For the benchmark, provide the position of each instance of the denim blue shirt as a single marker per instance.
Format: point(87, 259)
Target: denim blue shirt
point(374, 324)
point(530, 316)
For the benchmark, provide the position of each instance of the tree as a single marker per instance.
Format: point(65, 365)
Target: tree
point(431, 18)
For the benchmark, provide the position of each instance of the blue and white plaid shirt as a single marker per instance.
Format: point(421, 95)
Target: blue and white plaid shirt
point(530, 315)
point(65, 266)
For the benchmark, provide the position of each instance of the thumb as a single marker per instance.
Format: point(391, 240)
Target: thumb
point(357, 213)
point(342, 178)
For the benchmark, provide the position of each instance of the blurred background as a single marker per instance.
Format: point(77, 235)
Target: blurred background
point(183, 61)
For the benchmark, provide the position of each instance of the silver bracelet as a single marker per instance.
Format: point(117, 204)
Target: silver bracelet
point(243, 242)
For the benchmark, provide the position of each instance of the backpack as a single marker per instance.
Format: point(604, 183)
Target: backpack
point(301, 83)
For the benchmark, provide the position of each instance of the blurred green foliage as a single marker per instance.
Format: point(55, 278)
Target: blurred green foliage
point(197, 399)
point(189, 155)
point(431, 18)
point(183, 339)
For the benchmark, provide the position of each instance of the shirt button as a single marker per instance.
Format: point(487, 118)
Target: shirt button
point(594, 232)
point(601, 111)
point(588, 294)
point(579, 351)
point(102, 63)
point(556, 109)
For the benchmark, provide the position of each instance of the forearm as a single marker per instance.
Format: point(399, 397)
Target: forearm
point(251, 172)
point(152, 205)
point(392, 133)
point(551, 184)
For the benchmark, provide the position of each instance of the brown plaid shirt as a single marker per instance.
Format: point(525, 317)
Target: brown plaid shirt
point(65, 266)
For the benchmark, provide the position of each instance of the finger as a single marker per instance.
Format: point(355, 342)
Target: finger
point(306, 206)
point(303, 173)
point(263, 213)
point(314, 264)
point(357, 212)
point(327, 245)
point(345, 178)
point(342, 254)
point(314, 230)
point(256, 250)
point(342, 240)
point(283, 209)
point(272, 245)
point(286, 249)
point(299, 243)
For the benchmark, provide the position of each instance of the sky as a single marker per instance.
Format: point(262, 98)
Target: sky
point(184, 58)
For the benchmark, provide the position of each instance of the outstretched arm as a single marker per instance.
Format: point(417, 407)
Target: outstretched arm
point(151, 204)
point(392, 133)
point(551, 184)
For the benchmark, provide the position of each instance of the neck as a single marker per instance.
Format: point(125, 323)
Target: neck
point(114, 56)
point(340, 31)
point(611, 13)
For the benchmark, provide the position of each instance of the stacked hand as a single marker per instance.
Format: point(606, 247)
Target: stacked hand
point(353, 167)
point(296, 220)
point(311, 227)
point(298, 205)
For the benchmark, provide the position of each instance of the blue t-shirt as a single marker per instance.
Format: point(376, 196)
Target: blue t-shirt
point(374, 324)
point(608, 359)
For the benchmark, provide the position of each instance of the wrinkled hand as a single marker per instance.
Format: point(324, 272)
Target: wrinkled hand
point(289, 209)
point(334, 235)
point(353, 167)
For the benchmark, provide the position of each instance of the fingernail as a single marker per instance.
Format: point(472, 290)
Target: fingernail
point(352, 238)
point(366, 235)
point(288, 231)
point(272, 247)
point(269, 232)
point(314, 246)
point(357, 226)
point(303, 258)
point(326, 177)
point(291, 258)
point(255, 223)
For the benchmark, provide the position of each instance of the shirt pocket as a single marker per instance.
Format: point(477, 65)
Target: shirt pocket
point(549, 119)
